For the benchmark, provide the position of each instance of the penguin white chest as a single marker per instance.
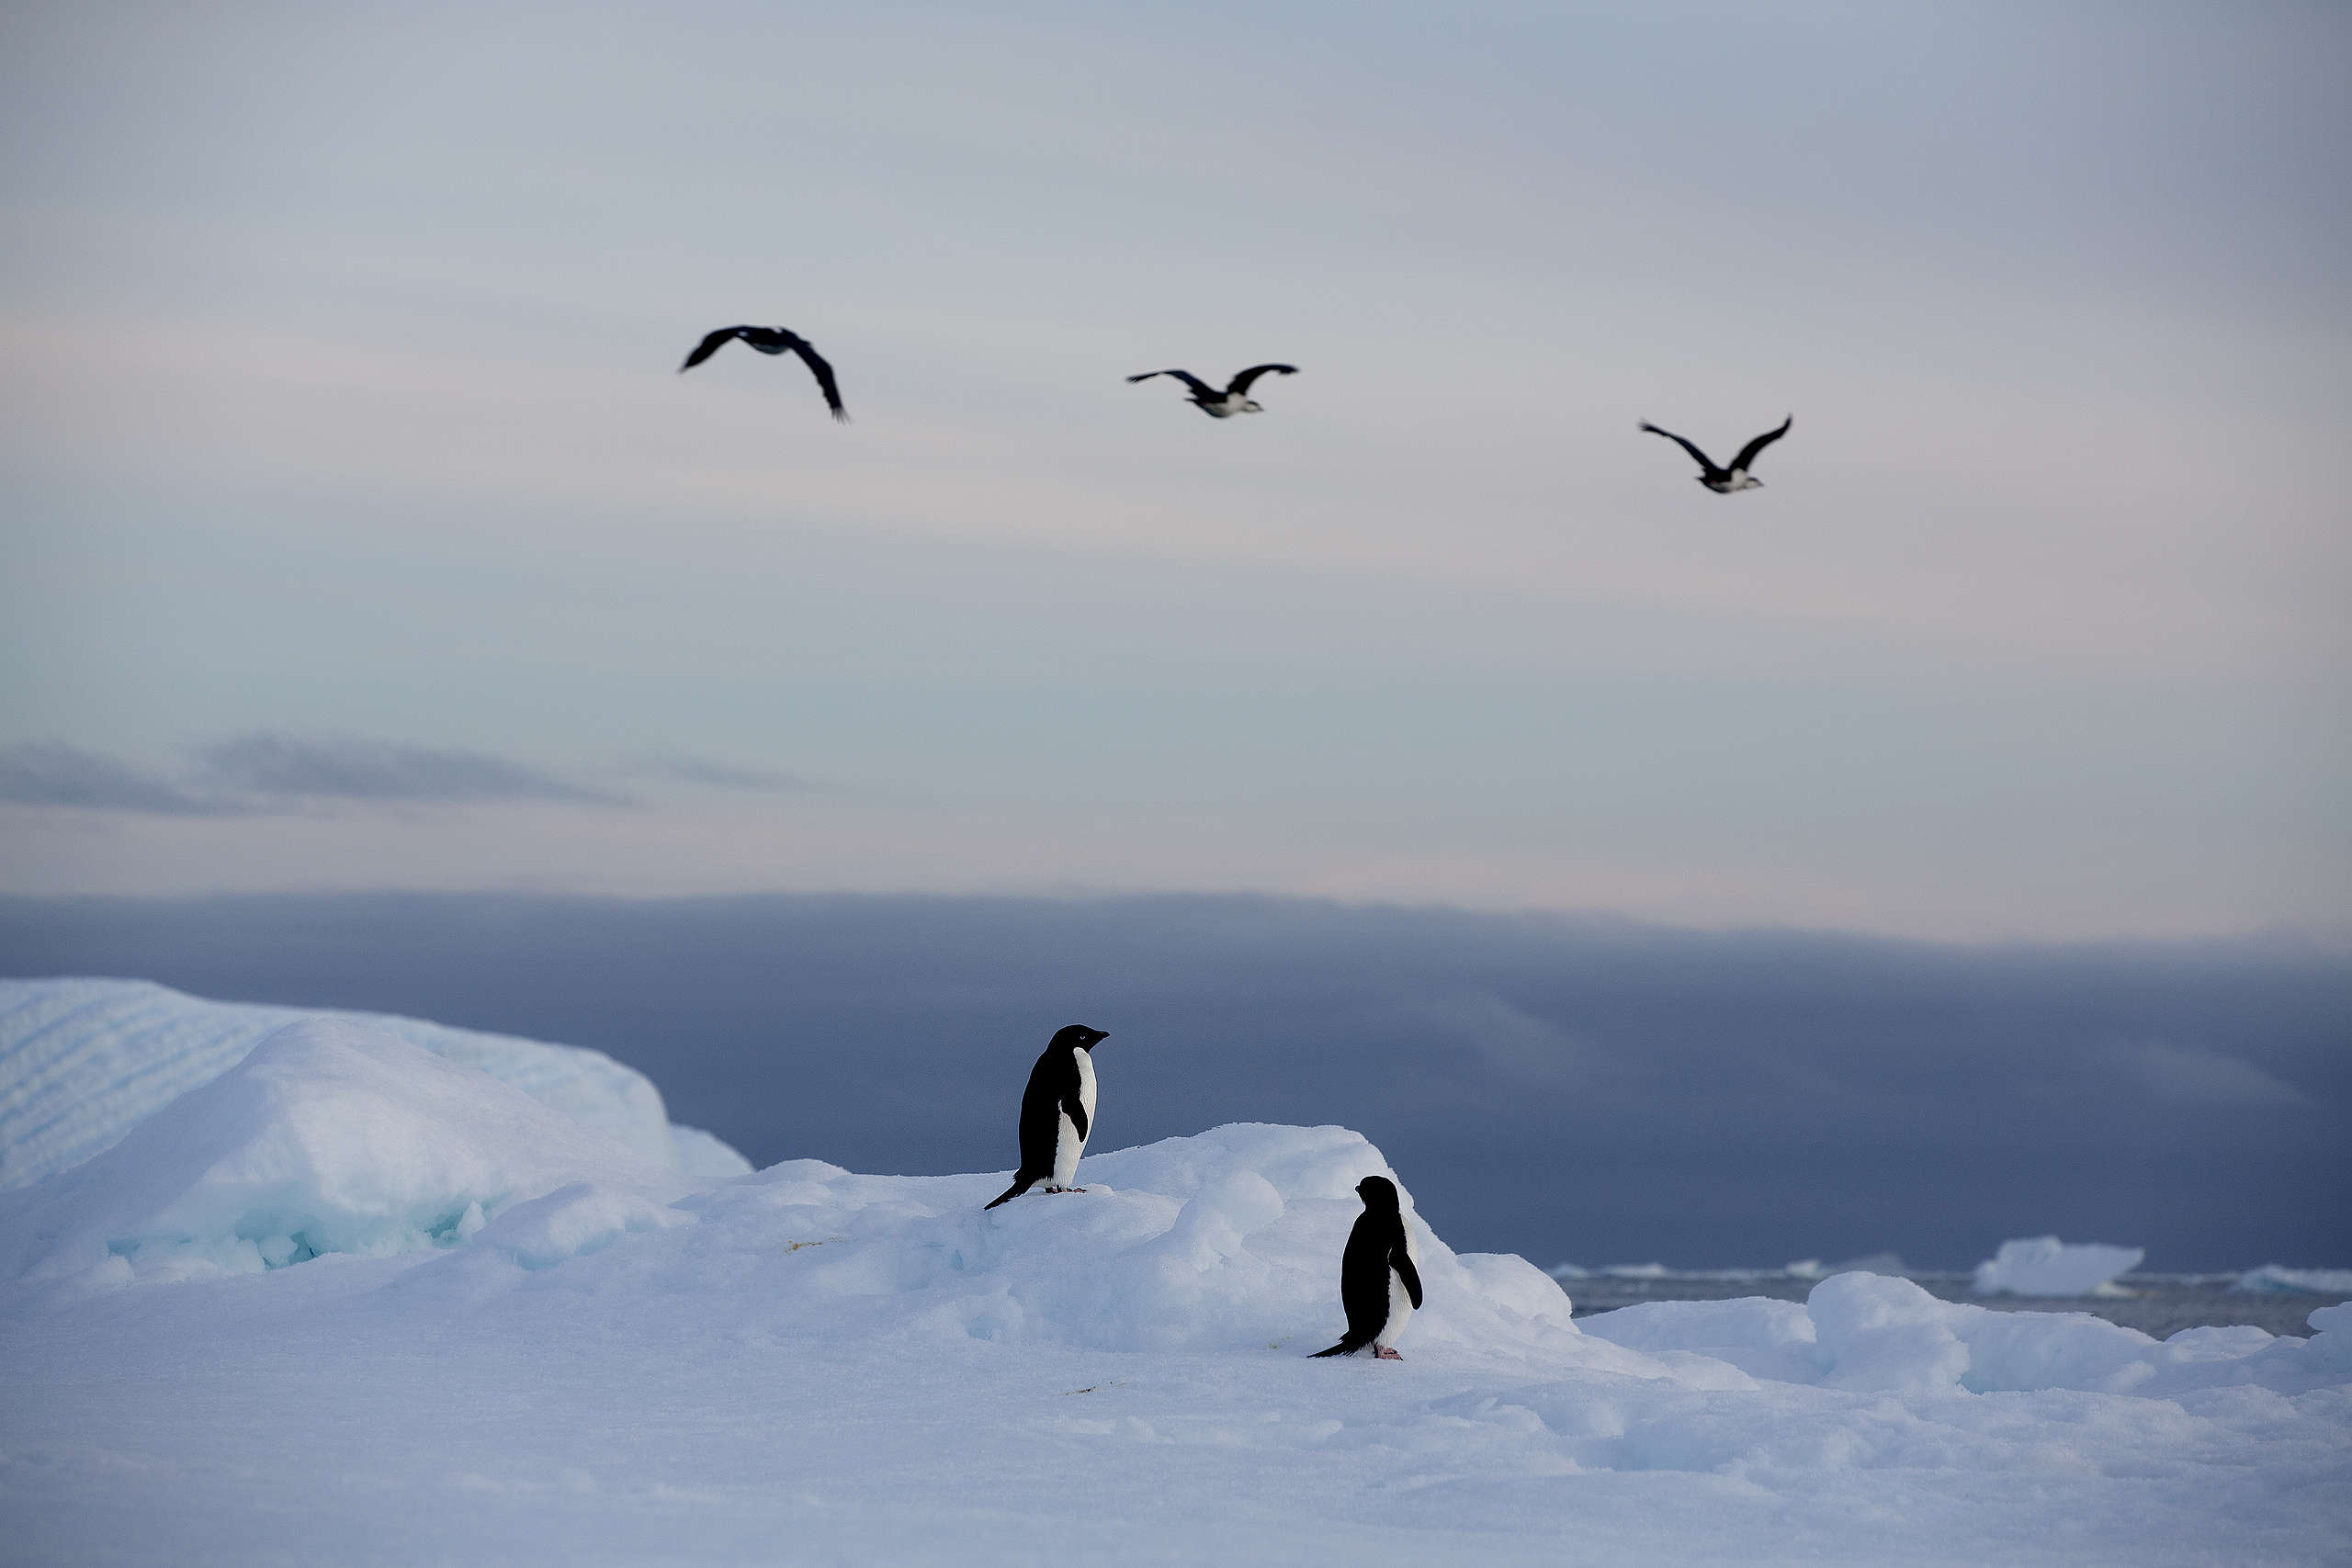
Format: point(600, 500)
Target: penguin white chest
point(1400, 1302)
point(1069, 1143)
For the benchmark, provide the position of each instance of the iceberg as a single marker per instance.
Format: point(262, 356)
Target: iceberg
point(83, 1061)
point(2044, 1266)
point(2271, 1279)
point(327, 1137)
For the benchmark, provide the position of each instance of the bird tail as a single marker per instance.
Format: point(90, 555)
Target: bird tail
point(1016, 1190)
point(1346, 1347)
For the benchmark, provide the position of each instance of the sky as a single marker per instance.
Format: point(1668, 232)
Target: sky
point(358, 535)
point(1581, 1090)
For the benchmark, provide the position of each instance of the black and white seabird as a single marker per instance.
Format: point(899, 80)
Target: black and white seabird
point(1056, 1113)
point(1723, 481)
point(773, 339)
point(1379, 1288)
point(1234, 400)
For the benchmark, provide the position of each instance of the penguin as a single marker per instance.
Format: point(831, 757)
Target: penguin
point(1378, 1284)
point(1056, 1112)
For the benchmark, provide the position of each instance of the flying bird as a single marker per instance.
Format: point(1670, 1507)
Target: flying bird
point(1723, 481)
point(1234, 400)
point(773, 339)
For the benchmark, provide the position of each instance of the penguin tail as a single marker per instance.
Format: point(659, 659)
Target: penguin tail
point(1344, 1347)
point(1016, 1190)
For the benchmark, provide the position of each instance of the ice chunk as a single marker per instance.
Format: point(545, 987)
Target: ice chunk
point(2044, 1266)
point(1876, 1333)
point(705, 1155)
point(2271, 1279)
point(1762, 1337)
point(82, 1062)
point(328, 1137)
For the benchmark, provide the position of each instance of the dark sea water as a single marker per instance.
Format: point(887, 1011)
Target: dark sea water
point(2158, 1304)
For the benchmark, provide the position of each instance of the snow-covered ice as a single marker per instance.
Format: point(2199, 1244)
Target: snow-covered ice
point(507, 1337)
point(328, 1137)
point(82, 1062)
point(2044, 1266)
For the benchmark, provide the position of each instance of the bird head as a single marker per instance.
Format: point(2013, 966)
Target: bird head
point(1079, 1035)
point(1251, 405)
point(1747, 482)
point(1377, 1192)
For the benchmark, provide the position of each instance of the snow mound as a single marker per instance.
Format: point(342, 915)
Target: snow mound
point(1229, 1240)
point(2044, 1266)
point(82, 1062)
point(328, 1137)
point(2271, 1279)
point(333, 1138)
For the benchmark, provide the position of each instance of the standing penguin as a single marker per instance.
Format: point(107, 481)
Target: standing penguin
point(1056, 1112)
point(1378, 1284)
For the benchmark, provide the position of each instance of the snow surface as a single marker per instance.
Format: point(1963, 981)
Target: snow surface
point(2044, 1266)
point(620, 1363)
point(82, 1062)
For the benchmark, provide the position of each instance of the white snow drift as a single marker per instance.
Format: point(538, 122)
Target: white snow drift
point(2044, 1266)
point(354, 1303)
point(82, 1062)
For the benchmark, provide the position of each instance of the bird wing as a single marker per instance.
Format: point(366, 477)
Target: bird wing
point(1748, 453)
point(711, 343)
point(819, 368)
point(1703, 460)
point(1239, 385)
point(1199, 389)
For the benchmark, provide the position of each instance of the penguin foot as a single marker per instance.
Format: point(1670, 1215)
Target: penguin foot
point(1065, 1188)
point(1386, 1353)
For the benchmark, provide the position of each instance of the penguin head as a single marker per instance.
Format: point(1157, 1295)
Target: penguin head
point(1377, 1192)
point(1079, 1035)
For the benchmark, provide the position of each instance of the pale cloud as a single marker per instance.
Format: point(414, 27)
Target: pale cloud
point(345, 768)
point(713, 774)
point(265, 773)
point(36, 774)
point(2190, 1075)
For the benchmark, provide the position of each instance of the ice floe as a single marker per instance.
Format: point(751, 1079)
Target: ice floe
point(2044, 1266)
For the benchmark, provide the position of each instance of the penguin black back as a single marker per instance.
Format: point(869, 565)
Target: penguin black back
point(1056, 1111)
point(1376, 1250)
